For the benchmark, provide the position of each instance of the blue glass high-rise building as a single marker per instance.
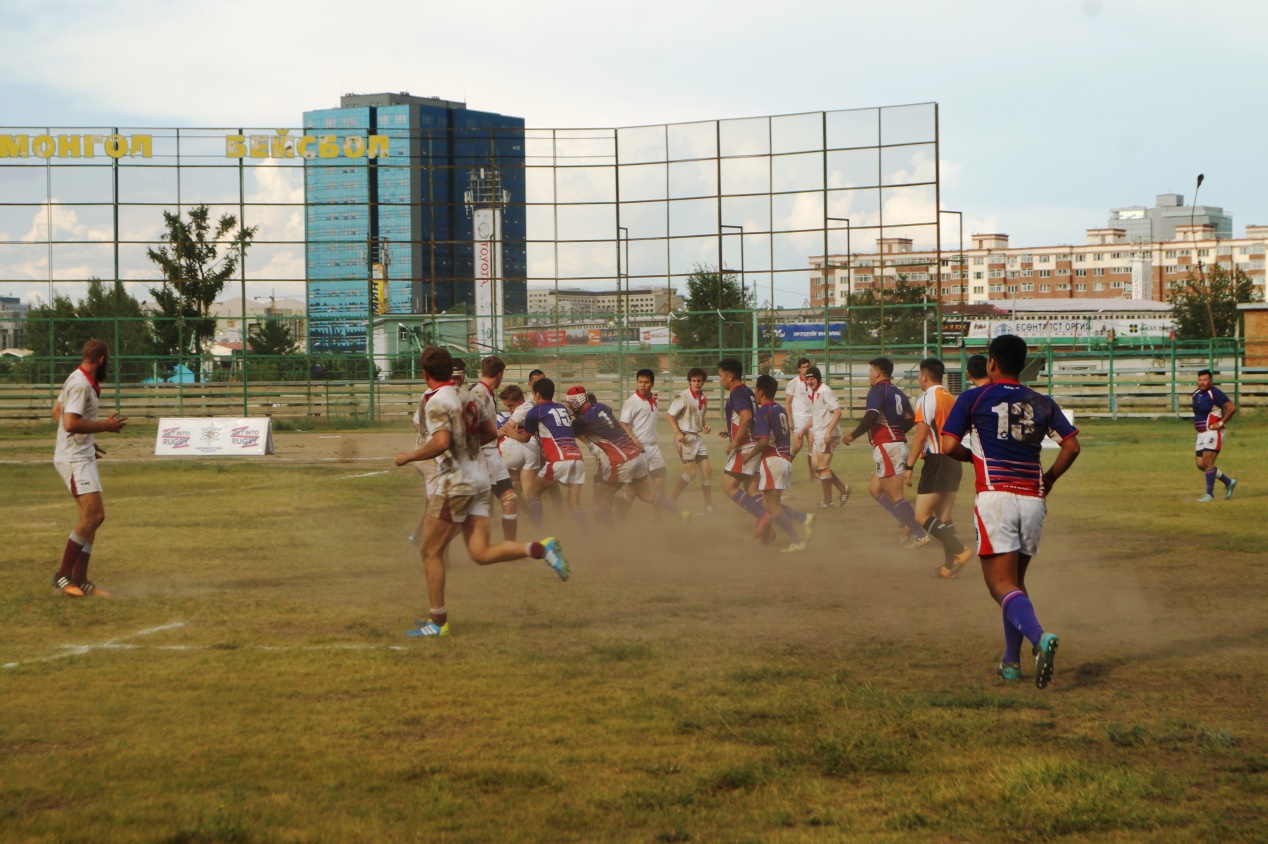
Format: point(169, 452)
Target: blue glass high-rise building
point(402, 216)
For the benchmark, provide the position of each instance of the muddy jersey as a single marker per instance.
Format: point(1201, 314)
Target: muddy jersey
point(80, 395)
point(824, 403)
point(689, 408)
point(483, 396)
point(463, 471)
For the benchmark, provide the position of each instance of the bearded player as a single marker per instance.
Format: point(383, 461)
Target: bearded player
point(1212, 411)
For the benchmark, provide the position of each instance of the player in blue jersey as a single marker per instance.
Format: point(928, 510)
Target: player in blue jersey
point(743, 460)
point(887, 419)
point(1211, 412)
point(1009, 422)
point(772, 436)
point(551, 424)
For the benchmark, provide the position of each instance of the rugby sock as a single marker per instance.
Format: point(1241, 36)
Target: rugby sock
point(438, 616)
point(679, 486)
point(1012, 639)
point(1220, 476)
point(535, 550)
point(786, 525)
point(73, 546)
point(826, 483)
point(795, 515)
point(509, 524)
point(1020, 613)
point(944, 532)
point(706, 489)
point(79, 572)
point(1210, 481)
point(903, 512)
point(665, 503)
point(535, 510)
point(749, 503)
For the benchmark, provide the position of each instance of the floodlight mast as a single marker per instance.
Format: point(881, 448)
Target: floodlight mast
point(485, 201)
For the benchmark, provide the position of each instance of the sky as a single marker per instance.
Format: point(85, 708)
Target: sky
point(1050, 113)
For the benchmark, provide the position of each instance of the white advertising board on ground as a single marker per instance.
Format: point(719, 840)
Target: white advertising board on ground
point(205, 437)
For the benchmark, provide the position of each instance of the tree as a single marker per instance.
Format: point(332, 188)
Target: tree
point(194, 274)
point(888, 317)
point(274, 338)
point(1204, 305)
point(707, 323)
point(72, 324)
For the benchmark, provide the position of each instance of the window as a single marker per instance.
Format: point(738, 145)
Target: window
point(1043, 288)
point(1185, 253)
point(1028, 287)
point(1012, 288)
point(1080, 257)
point(1118, 256)
point(1027, 273)
point(1012, 260)
point(1098, 271)
point(977, 276)
point(1098, 257)
point(1080, 288)
point(1225, 250)
point(1043, 259)
point(1045, 273)
point(1080, 273)
point(862, 279)
point(1100, 285)
point(1171, 253)
point(1013, 273)
point(1204, 253)
point(997, 273)
point(1064, 286)
point(1171, 268)
point(997, 288)
point(1116, 285)
point(978, 289)
point(977, 262)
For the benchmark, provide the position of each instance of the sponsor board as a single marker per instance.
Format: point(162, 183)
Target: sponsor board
point(808, 331)
point(204, 437)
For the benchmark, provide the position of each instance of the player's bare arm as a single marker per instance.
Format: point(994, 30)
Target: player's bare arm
point(953, 448)
point(673, 423)
point(434, 447)
point(76, 424)
point(1229, 410)
point(1065, 459)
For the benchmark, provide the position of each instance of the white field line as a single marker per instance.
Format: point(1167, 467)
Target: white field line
point(121, 644)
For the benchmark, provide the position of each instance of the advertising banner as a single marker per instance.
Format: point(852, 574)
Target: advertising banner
point(489, 296)
point(656, 336)
point(808, 332)
point(206, 437)
point(1156, 327)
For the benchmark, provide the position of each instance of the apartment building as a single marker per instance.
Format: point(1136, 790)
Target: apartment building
point(646, 301)
point(1108, 265)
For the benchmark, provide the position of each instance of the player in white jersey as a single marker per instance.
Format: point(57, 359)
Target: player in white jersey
point(797, 405)
point(75, 459)
point(823, 430)
point(484, 392)
point(686, 416)
point(513, 451)
point(638, 417)
point(456, 430)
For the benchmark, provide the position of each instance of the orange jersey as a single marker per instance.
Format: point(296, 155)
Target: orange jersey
point(932, 408)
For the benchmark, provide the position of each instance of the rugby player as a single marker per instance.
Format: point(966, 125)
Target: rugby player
point(513, 451)
point(639, 414)
point(617, 453)
point(975, 367)
point(772, 438)
point(550, 424)
point(484, 392)
point(742, 458)
point(1211, 411)
point(797, 404)
point(1010, 422)
point(886, 419)
point(456, 430)
point(939, 474)
point(823, 431)
point(532, 463)
point(75, 458)
point(686, 414)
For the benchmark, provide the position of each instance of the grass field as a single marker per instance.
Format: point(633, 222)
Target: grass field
point(249, 681)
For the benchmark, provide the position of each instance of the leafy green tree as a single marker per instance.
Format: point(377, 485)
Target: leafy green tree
point(197, 259)
point(1204, 305)
point(714, 317)
point(892, 317)
point(274, 338)
point(53, 328)
point(73, 323)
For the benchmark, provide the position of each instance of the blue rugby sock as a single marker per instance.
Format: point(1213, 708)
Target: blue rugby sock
point(1210, 482)
point(904, 513)
point(1020, 613)
point(786, 525)
point(795, 515)
point(1220, 476)
point(749, 503)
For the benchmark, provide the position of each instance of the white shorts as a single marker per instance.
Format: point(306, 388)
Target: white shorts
point(692, 448)
point(743, 461)
point(800, 420)
point(823, 444)
point(81, 477)
point(497, 469)
point(774, 472)
point(564, 472)
point(533, 460)
point(1006, 521)
point(890, 459)
point(655, 460)
point(1210, 441)
point(513, 454)
point(631, 470)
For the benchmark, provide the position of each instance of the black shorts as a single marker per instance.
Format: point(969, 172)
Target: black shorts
point(939, 474)
point(500, 487)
